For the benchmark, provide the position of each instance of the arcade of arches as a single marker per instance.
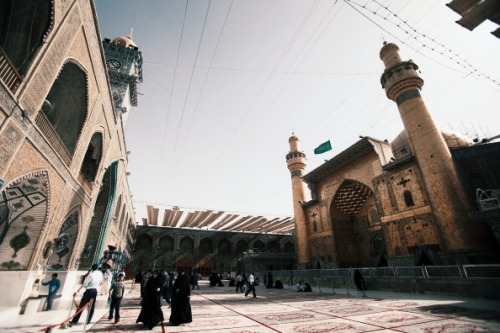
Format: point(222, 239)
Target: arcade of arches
point(207, 251)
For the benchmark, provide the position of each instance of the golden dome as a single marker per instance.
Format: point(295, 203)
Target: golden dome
point(124, 41)
point(454, 140)
point(401, 146)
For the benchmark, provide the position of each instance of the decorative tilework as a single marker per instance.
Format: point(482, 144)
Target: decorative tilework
point(10, 139)
point(42, 80)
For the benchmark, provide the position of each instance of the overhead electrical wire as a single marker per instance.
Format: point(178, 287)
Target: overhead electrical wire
point(435, 46)
point(162, 154)
point(246, 70)
point(263, 108)
point(223, 151)
point(267, 104)
point(188, 91)
point(195, 109)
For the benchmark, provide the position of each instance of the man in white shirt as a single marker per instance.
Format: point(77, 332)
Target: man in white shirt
point(92, 282)
point(239, 282)
point(251, 286)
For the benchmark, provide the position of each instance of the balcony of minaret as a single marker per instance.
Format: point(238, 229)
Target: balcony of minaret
point(296, 160)
point(401, 77)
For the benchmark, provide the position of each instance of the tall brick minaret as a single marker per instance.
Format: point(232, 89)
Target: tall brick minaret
point(296, 162)
point(448, 200)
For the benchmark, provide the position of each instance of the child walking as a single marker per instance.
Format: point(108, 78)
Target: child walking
point(115, 295)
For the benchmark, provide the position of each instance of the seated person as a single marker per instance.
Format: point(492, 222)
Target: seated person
point(278, 284)
point(307, 287)
point(299, 287)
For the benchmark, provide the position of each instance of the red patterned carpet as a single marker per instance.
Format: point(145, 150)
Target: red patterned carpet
point(220, 309)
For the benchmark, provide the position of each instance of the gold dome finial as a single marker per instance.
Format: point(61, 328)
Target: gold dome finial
point(125, 41)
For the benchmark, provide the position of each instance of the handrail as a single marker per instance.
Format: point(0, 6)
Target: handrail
point(8, 72)
point(85, 184)
point(50, 133)
point(488, 271)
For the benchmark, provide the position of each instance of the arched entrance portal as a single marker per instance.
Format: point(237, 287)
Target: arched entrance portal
point(355, 223)
point(184, 264)
point(205, 267)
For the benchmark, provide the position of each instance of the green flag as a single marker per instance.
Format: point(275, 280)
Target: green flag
point(324, 147)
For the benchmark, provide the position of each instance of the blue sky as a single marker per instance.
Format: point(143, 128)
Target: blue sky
point(227, 82)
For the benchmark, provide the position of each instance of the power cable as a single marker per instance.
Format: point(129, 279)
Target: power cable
point(195, 109)
point(436, 46)
point(171, 93)
point(189, 87)
point(211, 68)
point(268, 101)
point(242, 120)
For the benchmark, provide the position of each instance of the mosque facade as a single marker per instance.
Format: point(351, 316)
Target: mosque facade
point(413, 201)
point(65, 198)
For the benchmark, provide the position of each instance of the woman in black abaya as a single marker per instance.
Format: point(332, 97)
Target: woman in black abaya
point(181, 293)
point(151, 313)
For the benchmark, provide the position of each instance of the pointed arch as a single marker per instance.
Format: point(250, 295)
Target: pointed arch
point(144, 242)
point(166, 244)
point(351, 210)
point(258, 245)
point(204, 266)
point(241, 246)
point(24, 27)
point(224, 247)
point(186, 244)
point(66, 106)
point(274, 246)
point(24, 205)
point(93, 157)
point(63, 248)
point(351, 197)
point(206, 246)
point(185, 264)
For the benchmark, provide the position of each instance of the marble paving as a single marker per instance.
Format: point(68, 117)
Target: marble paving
point(221, 309)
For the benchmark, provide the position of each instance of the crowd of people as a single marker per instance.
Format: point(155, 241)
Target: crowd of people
point(156, 287)
point(175, 289)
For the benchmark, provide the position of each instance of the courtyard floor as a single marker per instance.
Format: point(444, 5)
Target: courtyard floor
point(221, 309)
